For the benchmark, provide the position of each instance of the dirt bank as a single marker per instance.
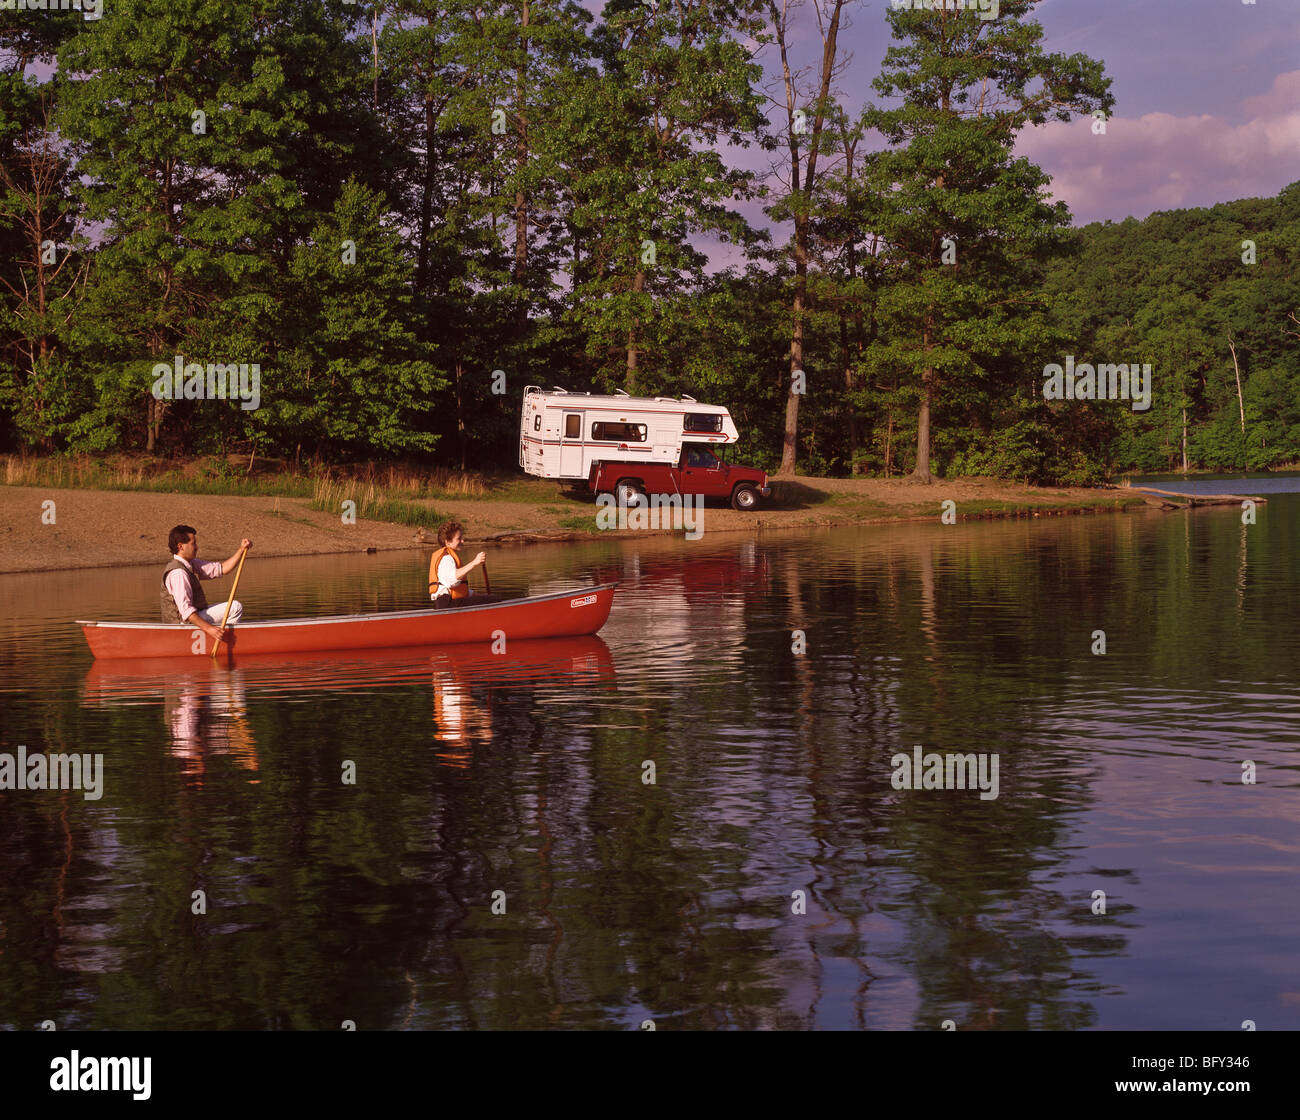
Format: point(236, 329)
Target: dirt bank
point(94, 528)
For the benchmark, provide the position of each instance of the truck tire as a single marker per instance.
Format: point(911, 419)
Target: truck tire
point(628, 493)
point(744, 497)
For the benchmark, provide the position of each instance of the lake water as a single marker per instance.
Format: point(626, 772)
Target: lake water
point(771, 876)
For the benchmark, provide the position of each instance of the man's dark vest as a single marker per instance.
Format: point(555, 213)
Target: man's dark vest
point(169, 611)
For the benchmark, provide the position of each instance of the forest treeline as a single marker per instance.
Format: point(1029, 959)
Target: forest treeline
point(403, 212)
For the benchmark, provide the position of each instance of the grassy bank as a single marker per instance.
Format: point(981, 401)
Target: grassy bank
point(53, 514)
point(373, 503)
point(416, 497)
point(238, 476)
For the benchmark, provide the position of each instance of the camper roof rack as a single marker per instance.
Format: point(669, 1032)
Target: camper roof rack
point(687, 397)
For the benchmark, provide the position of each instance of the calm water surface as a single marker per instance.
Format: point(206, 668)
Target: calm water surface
point(674, 901)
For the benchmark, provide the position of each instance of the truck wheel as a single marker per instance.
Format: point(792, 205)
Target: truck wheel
point(744, 497)
point(629, 494)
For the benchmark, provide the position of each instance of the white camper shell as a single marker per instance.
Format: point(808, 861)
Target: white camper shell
point(563, 434)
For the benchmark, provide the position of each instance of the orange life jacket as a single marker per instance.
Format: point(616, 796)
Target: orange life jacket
point(461, 589)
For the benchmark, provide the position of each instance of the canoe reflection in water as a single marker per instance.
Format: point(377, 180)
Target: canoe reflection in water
point(205, 704)
point(458, 718)
point(210, 722)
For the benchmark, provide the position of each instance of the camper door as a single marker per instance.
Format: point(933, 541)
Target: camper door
point(571, 446)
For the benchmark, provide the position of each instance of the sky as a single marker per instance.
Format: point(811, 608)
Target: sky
point(1207, 105)
point(1207, 101)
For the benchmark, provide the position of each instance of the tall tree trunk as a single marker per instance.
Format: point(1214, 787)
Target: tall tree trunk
point(460, 413)
point(802, 198)
point(795, 391)
point(847, 358)
point(1241, 406)
point(921, 472)
point(889, 439)
point(521, 193)
point(374, 41)
point(426, 197)
point(638, 286)
point(153, 423)
point(850, 147)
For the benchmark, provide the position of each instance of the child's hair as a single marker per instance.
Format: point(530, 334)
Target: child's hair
point(449, 530)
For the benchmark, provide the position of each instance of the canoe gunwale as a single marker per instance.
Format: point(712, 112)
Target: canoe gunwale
point(382, 616)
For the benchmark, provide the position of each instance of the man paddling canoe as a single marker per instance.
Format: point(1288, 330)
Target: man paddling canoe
point(183, 600)
point(447, 584)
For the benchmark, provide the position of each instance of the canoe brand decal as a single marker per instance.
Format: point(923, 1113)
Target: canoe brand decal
point(584, 601)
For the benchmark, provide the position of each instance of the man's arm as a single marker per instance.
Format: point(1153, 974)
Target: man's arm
point(216, 633)
point(228, 566)
point(179, 587)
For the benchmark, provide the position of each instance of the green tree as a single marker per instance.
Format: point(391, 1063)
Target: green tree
point(42, 394)
point(962, 219)
point(212, 136)
point(644, 172)
point(351, 379)
point(799, 200)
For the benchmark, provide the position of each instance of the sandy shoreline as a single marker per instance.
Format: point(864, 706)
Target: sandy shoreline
point(104, 528)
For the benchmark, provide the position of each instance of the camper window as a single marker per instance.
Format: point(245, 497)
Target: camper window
point(537, 422)
point(572, 426)
point(624, 433)
point(702, 422)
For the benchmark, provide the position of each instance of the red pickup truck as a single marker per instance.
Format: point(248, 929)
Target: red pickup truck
point(698, 471)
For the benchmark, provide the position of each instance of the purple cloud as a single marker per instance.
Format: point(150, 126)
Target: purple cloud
point(1161, 160)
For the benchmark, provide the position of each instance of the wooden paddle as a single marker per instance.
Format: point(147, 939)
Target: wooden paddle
point(487, 583)
point(243, 555)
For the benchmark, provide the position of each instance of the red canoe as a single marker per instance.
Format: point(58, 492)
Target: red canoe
point(560, 615)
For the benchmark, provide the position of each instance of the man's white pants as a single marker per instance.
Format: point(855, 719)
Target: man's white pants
point(214, 614)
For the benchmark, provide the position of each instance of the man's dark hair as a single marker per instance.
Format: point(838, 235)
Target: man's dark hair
point(179, 535)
